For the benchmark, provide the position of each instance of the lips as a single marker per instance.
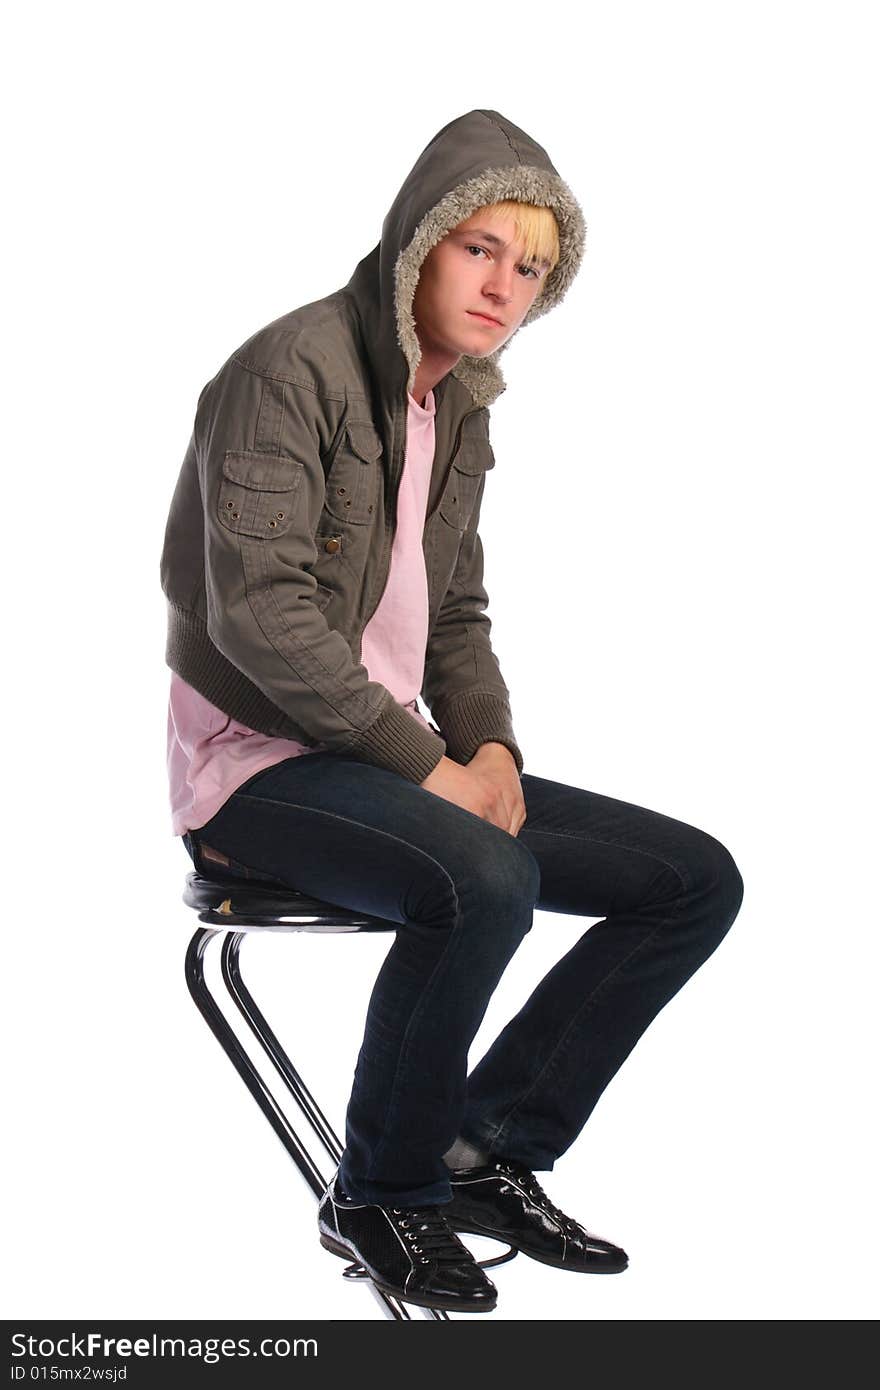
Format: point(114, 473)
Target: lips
point(487, 318)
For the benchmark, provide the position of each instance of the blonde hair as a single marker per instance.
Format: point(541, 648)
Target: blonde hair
point(535, 227)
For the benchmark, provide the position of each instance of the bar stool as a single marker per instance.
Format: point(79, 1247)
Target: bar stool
point(232, 906)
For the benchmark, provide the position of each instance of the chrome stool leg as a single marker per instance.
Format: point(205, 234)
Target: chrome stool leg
point(207, 1005)
point(231, 967)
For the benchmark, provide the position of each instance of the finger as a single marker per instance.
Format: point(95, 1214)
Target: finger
point(510, 812)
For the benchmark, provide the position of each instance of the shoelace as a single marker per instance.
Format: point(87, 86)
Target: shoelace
point(427, 1230)
point(536, 1194)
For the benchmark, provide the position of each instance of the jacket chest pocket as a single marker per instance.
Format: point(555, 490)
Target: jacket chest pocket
point(353, 481)
point(258, 493)
point(474, 457)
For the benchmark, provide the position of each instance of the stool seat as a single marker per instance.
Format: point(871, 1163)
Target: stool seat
point(254, 905)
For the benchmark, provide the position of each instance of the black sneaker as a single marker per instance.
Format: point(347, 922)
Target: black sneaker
point(408, 1252)
point(505, 1200)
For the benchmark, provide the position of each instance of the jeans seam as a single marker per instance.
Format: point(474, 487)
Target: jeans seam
point(400, 1070)
point(615, 844)
point(361, 825)
point(586, 1003)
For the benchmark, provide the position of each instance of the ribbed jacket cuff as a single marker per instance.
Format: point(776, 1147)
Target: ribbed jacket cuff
point(399, 742)
point(475, 717)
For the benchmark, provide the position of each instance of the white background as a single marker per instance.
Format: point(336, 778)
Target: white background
point(678, 535)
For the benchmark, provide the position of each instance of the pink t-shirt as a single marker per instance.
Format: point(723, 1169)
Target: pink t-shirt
point(210, 754)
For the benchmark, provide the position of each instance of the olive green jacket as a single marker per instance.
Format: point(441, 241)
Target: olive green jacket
point(278, 541)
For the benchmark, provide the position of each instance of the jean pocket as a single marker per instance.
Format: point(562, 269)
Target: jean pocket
point(214, 863)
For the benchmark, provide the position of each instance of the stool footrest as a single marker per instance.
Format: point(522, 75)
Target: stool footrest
point(499, 1259)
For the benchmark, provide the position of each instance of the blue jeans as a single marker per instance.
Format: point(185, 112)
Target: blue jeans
point(463, 893)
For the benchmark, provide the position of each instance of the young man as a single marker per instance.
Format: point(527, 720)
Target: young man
point(323, 567)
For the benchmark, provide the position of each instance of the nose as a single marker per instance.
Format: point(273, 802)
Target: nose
point(500, 283)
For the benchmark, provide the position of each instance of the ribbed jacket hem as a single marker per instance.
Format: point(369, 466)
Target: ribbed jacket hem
point(395, 740)
point(191, 653)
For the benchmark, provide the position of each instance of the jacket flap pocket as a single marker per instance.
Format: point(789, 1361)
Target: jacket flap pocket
point(474, 456)
point(364, 439)
point(475, 453)
point(258, 493)
point(263, 472)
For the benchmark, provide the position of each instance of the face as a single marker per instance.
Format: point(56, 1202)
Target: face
point(474, 290)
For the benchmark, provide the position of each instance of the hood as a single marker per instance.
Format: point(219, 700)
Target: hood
point(476, 159)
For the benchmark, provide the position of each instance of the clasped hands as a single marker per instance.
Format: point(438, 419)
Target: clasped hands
point(489, 786)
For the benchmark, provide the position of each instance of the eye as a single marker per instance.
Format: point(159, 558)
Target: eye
point(529, 269)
